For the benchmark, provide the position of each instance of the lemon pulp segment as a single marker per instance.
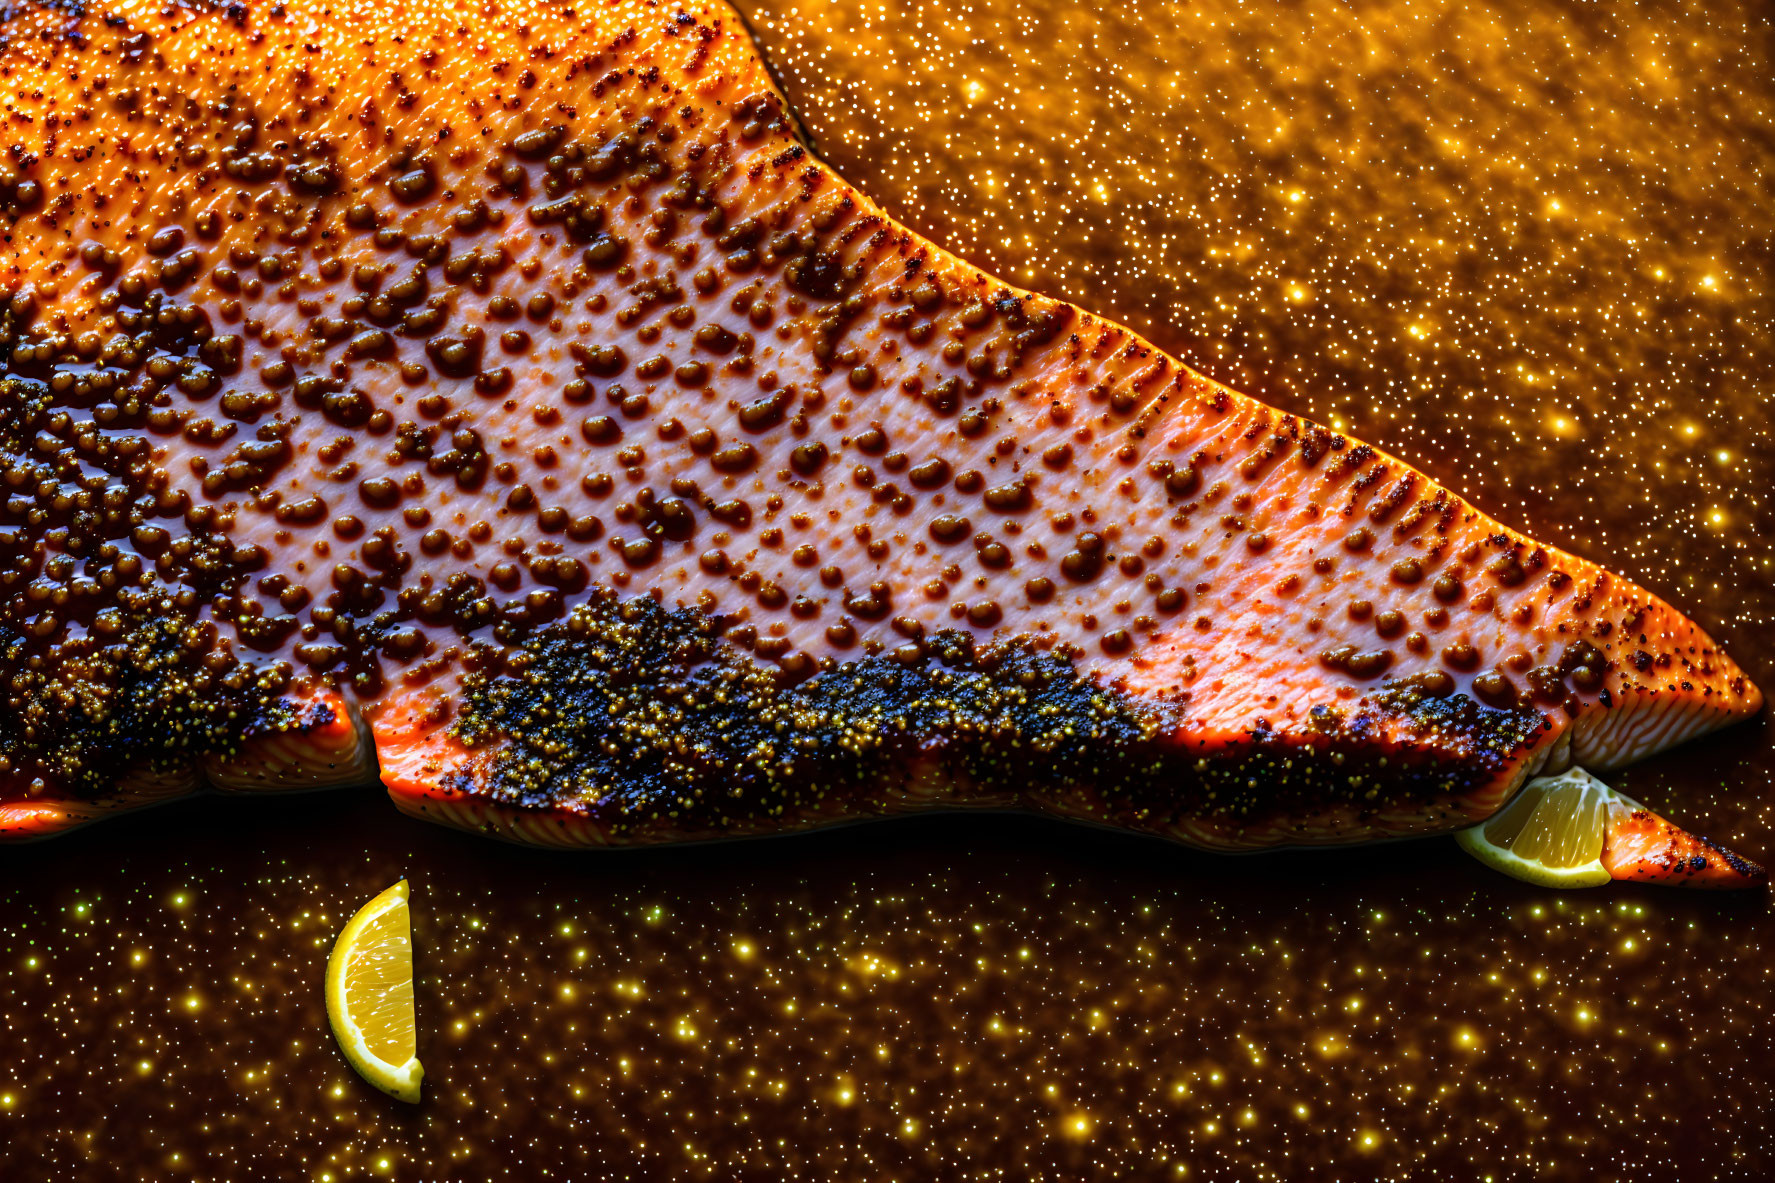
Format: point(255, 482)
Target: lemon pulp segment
point(370, 995)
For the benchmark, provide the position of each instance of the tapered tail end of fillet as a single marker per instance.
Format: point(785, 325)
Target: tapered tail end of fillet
point(1642, 847)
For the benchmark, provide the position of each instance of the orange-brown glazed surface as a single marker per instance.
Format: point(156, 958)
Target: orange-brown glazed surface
point(1522, 246)
point(519, 380)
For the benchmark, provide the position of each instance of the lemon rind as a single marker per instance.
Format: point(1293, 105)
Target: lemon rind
point(1591, 874)
point(400, 1081)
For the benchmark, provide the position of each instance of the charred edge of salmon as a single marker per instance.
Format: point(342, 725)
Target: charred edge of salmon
point(785, 109)
point(1646, 848)
point(923, 787)
point(327, 746)
point(26, 819)
point(319, 740)
point(632, 723)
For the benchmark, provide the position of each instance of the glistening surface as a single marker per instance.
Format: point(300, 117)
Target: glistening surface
point(1454, 192)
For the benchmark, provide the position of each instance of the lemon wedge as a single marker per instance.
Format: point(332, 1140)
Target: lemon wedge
point(370, 995)
point(1552, 832)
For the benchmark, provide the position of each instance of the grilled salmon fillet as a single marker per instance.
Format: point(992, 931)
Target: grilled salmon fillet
point(502, 395)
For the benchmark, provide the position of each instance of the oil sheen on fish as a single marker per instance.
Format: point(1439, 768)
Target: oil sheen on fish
point(503, 396)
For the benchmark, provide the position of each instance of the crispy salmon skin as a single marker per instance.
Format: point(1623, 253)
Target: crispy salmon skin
point(510, 381)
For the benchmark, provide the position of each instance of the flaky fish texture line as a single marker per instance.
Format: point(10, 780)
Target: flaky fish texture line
point(502, 397)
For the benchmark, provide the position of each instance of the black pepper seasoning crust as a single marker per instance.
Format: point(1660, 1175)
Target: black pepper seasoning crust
point(653, 726)
point(637, 713)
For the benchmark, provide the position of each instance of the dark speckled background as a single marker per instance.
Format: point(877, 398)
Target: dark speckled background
point(1527, 247)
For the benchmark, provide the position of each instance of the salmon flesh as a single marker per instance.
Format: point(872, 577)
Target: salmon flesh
point(504, 397)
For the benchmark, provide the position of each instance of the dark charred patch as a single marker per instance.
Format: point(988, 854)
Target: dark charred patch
point(648, 718)
point(656, 726)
